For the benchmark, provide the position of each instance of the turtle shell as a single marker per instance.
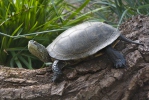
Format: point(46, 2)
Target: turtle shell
point(82, 41)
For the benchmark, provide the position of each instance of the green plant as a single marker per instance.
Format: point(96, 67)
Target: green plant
point(121, 9)
point(41, 20)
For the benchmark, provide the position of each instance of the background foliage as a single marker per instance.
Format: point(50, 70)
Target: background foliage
point(119, 10)
point(43, 20)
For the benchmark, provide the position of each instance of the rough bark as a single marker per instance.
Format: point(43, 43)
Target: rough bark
point(94, 79)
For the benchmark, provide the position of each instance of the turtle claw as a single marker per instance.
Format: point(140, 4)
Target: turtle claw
point(116, 57)
point(55, 77)
point(120, 63)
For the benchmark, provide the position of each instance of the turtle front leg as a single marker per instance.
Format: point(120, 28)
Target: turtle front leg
point(116, 57)
point(57, 70)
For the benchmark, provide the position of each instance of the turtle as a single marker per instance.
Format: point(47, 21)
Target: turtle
point(78, 43)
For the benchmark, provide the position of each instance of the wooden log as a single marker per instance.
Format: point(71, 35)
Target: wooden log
point(94, 79)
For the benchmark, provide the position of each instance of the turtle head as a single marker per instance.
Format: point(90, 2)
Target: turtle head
point(38, 50)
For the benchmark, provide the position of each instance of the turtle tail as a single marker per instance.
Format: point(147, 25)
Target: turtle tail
point(123, 38)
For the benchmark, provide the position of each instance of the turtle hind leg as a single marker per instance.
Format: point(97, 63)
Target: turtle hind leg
point(123, 38)
point(116, 57)
point(56, 67)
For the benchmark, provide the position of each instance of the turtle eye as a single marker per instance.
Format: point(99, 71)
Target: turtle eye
point(34, 41)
